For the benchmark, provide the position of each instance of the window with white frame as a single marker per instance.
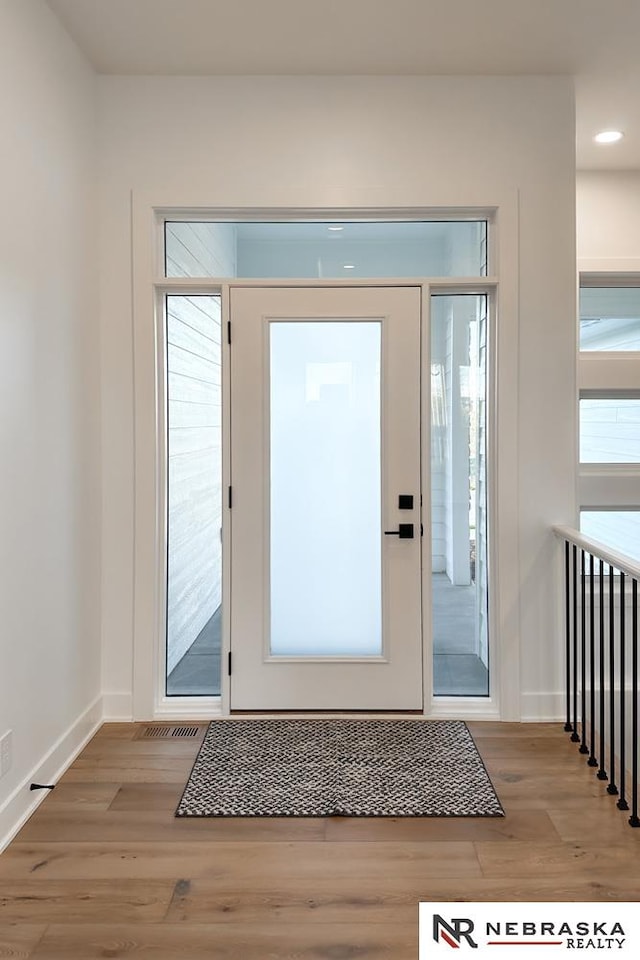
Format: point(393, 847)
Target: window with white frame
point(609, 411)
point(325, 249)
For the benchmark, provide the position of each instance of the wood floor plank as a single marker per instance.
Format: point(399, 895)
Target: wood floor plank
point(578, 860)
point(74, 901)
point(561, 765)
point(321, 900)
point(96, 797)
point(165, 769)
point(229, 941)
point(105, 751)
point(519, 748)
point(162, 826)
point(607, 823)
point(108, 861)
point(117, 731)
point(19, 940)
point(380, 900)
point(480, 729)
point(512, 779)
point(237, 860)
point(147, 797)
point(527, 825)
point(515, 797)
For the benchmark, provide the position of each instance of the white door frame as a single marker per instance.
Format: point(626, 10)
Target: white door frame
point(148, 665)
point(391, 679)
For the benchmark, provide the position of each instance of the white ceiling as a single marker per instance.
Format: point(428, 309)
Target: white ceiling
point(597, 41)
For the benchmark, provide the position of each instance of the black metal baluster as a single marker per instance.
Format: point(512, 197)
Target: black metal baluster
point(633, 819)
point(583, 748)
point(622, 802)
point(574, 736)
point(567, 611)
point(602, 773)
point(592, 762)
point(612, 789)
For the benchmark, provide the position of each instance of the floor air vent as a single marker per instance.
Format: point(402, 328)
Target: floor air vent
point(163, 732)
point(185, 731)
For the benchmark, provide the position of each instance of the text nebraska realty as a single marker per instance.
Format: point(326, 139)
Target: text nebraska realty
point(582, 935)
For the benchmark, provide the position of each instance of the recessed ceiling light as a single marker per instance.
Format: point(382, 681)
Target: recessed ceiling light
point(349, 266)
point(335, 228)
point(609, 136)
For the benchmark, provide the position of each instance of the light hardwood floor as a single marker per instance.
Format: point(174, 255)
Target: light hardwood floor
point(104, 870)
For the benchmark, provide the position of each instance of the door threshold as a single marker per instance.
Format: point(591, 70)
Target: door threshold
point(326, 713)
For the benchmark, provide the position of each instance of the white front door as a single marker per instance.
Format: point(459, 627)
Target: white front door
point(325, 519)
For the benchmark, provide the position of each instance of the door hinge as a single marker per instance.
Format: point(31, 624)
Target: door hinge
point(229, 665)
point(228, 331)
point(230, 497)
point(421, 530)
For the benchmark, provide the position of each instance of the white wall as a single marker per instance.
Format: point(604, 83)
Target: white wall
point(366, 142)
point(608, 220)
point(49, 412)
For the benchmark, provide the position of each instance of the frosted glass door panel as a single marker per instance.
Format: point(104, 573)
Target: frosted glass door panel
point(325, 483)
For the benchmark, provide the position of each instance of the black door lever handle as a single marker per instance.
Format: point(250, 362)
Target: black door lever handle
point(404, 532)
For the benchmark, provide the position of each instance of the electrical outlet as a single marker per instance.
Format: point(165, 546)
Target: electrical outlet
point(5, 753)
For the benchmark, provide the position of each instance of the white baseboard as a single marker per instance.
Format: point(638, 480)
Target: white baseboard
point(542, 707)
point(534, 708)
point(17, 809)
point(117, 707)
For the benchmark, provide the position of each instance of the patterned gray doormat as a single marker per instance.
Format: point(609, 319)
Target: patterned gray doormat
point(338, 768)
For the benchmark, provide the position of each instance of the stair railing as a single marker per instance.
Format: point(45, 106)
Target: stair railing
point(601, 662)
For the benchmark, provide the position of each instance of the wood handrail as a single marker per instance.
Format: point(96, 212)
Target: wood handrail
point(620, 561)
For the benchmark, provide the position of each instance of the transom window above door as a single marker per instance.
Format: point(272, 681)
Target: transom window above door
point(326, 250)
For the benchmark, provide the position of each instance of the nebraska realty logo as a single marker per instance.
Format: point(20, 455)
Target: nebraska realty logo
point(454, 931)
point(505, 928)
